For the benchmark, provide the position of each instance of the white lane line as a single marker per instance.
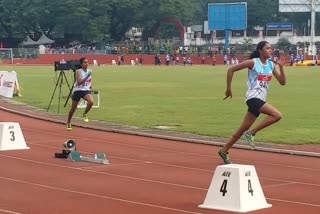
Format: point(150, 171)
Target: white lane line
point(9, 211)
point(199, 169)
point(179, 152)
point(104, 173)
point(96, 195)
point(294, 202)
point(278, 185)
point(164, 183)
point(108, 166)
point(265, 163)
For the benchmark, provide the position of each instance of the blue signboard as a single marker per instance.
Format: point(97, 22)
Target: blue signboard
point(227, 16)
point(279, 26)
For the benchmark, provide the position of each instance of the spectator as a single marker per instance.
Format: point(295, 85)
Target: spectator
point(189, 61)
point(167, 60)
point(291, 59)
point(177, 59)
point(214, 60)
point(141, 60)
point(122, 59)
point(225, 59)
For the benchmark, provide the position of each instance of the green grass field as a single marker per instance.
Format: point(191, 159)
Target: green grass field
point(187, 99)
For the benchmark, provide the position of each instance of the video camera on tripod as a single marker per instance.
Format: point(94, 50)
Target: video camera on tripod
point(60, 67)
point(67, 65)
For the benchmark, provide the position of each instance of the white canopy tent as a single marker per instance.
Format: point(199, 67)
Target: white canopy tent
point(44, 40)
point(28, 42)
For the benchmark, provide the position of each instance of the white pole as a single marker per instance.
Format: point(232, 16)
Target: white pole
point(312, 49)
point(11, 53)
point(304, 41)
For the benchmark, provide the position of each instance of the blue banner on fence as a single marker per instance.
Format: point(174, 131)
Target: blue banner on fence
point(279, 26)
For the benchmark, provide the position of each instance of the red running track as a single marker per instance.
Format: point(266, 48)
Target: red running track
point(146, 175)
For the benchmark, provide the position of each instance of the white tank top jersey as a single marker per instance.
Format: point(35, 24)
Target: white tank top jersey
point(86, 86)
point(259, 79)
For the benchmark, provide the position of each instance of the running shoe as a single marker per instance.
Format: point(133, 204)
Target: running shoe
point(69, 127)
point(249, 139)
point(224, 156)
point(85, 118)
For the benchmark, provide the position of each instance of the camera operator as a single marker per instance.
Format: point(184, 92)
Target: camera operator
point(82, 87)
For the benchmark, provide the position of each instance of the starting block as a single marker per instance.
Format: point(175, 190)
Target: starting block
point(83, 103)
point(63, 154)
point(98, 158)
point(235, 188)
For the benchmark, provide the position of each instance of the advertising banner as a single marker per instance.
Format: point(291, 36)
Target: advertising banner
point(7, 83)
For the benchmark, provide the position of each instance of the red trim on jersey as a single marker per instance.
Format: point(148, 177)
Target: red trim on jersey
point(266, 78)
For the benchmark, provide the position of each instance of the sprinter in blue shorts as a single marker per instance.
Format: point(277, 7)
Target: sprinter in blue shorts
point(261, 69)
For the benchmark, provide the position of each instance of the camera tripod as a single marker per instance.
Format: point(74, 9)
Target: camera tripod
point(69, 95)
point(59, 83)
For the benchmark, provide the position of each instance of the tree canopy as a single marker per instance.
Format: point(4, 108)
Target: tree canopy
point(102, 20)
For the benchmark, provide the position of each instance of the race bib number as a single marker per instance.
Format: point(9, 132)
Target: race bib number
point(264, 80)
